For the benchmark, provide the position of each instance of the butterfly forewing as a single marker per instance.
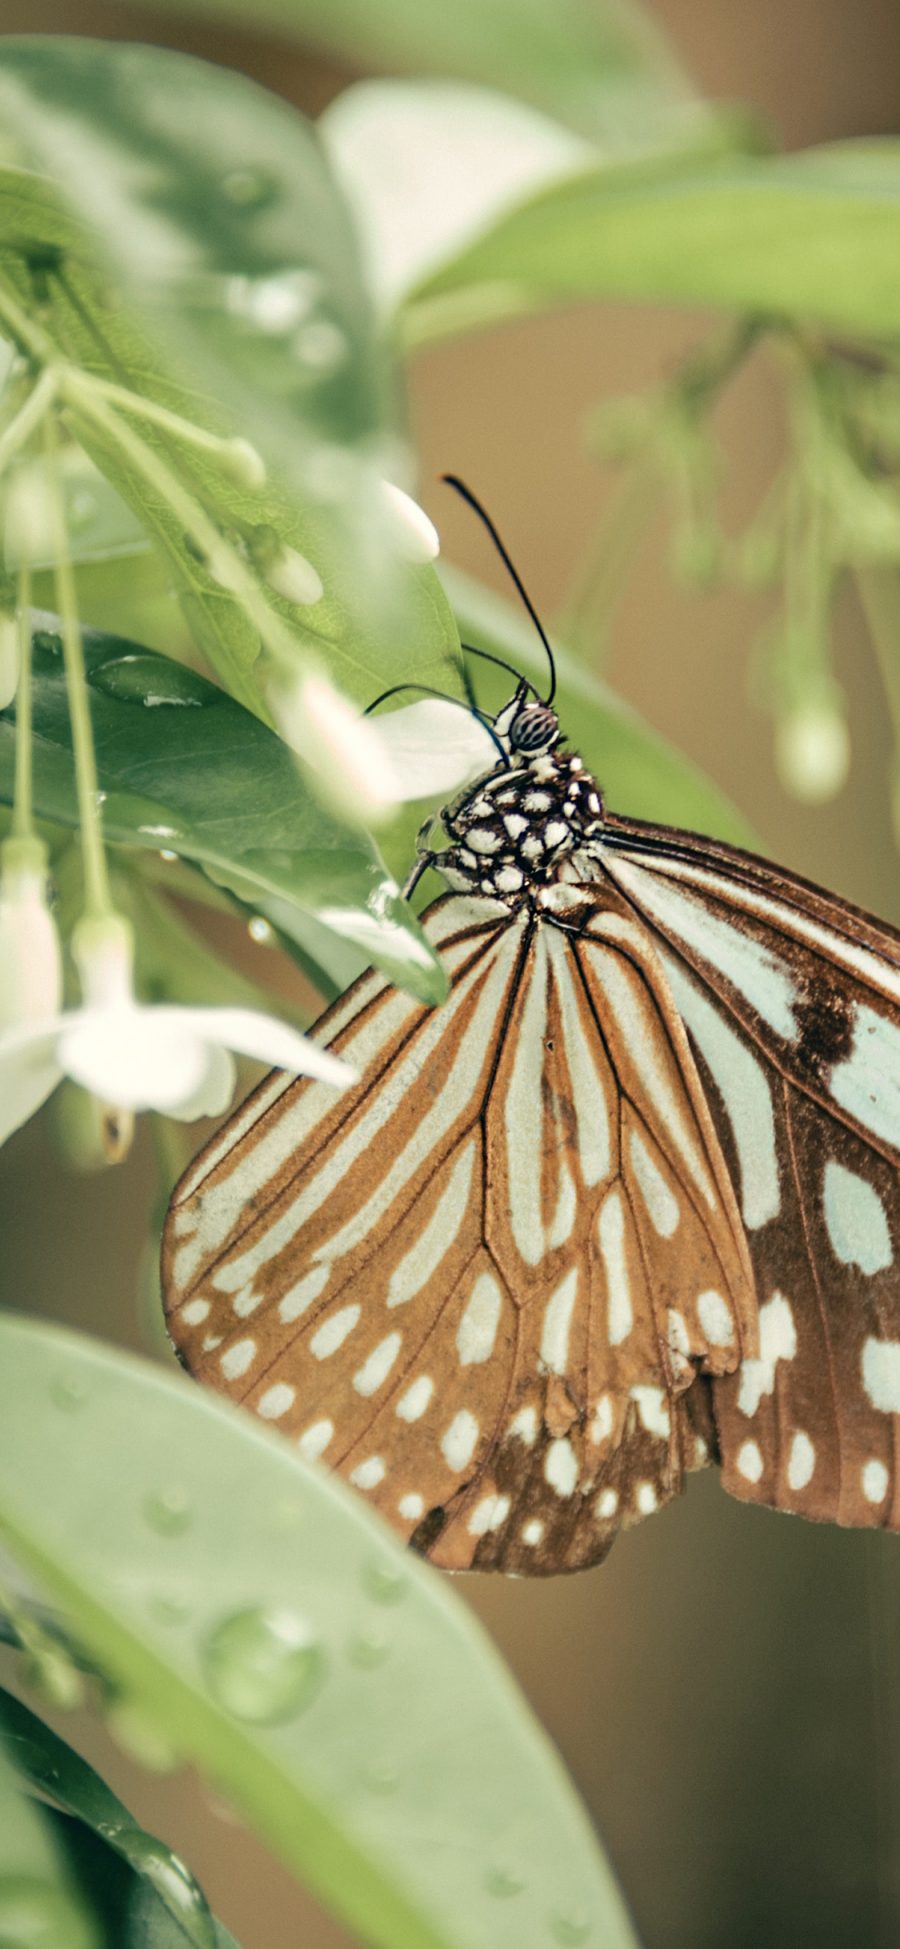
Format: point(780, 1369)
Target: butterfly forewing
point(479, 1283)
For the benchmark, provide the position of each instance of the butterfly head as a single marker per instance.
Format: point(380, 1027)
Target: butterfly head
point(527, 727)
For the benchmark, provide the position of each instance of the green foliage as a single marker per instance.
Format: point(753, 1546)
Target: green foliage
point(283, 1640)
point(186, 770)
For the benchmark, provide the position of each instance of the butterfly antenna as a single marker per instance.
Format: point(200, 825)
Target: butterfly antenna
point(426, 690)
point(465, 493)
point(524, 683)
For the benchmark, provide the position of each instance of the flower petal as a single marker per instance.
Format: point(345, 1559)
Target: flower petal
point(137, 1058)
point(345, 748)
point(251, 1033)
point(29, 1073)
point(436, 747)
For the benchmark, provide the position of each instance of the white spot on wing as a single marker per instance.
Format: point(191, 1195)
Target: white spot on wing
point(602, 1424)
point(437, 1237)
point(369, 1473)
point(801, 1461)
point(881, 1374)
point(458, 1443)
point(557, 1323)
point(299, 1297)
point(646, 1498)
point(237, 1358)
point(276, 1401)
point(195, 1312)
point(867, 1082)
point(611, 1234)
point(874, 1481)
point(715, 1318)
point(662, 1205)
point(561, 1466)
point(524, 1426)
point(333, 1332)
point(745, 1092)
point(777, 1341)
point(750, 1461)
point(374, 1371)
point(653, 1410)
point(477, 1328)
point(411, 1507)
point(315, 1439)
point(411, 1405)
point(488, 1514)
point(751, 968)
point(532, 1531)
point(606, 1504)
point(855, 1219)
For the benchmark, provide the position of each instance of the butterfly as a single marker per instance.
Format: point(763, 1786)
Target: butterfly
point(627, 1204)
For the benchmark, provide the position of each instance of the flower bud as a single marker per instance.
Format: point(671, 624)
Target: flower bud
point(812, 751)
point(416, 536)
point(342, 746)
point(30, 958)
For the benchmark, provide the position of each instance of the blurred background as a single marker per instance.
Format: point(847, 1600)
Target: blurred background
point(726, 1689)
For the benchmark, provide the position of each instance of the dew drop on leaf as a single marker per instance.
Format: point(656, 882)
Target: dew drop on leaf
point(249, 189)
point(368, 1650)
point(168, 1510)
point(263, 1665)
point(503, 1882)
point(385, 1582)
point(151, 681)
point(69, 1392)
point(570, 1927)
point(172, 1880)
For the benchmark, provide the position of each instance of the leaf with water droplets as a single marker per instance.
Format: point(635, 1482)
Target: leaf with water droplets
point(41, 1906)
point(185, 767)
point(51, 1767)
point(311, 1683)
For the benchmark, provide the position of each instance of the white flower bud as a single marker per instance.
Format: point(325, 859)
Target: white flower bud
point(30, 958)
point(812, 752)
point(417, 537)
point(244, 463)
point(292, 576)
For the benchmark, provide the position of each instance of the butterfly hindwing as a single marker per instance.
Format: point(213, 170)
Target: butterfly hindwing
point(792, 1002)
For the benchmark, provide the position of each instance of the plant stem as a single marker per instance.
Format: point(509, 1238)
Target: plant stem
point(22, 788)
point(96, 880)
point(28, 418)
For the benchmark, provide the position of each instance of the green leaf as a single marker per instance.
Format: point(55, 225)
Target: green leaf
point(639, 772)
point(218, 212)
point(228, 290)
point(329, 1682)
point(811, 236)
point(595, 66)
point(186, 769)
point(54, 1770)
point(40, 1905)
point(433, 168)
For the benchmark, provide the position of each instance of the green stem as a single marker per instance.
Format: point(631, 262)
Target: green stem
point(220, 448)
point(30, 337)
point(879, 593)
point(96, 880)
point(22, 788)
point(223, 560)
point(599, 581)
point(28, 418)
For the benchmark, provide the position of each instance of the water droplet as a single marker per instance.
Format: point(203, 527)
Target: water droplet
point(166, 854)
point(69, 1392)
point(169, 1610)
point(385, 1582)
point(81, 509)
point(380, 1776)
point(138, 1735)
point(571, 1926)
point(249, 189)
point(44, 643)
point(151, 681)
point(168, 1510)
point(503, 1882)
point(368, 1650)
point(263, 1665)
point(172, 1880)
point(274, 305)
point(33, 1916)
point(260, 930)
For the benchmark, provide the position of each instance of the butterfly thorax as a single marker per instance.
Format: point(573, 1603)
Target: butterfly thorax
point(513, 831)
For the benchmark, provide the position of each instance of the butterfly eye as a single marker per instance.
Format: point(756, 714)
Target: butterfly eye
point(534, 728)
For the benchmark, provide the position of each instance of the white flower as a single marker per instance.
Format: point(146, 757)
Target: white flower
point(166, 1058)
point(9, 659)
point(436, 747)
